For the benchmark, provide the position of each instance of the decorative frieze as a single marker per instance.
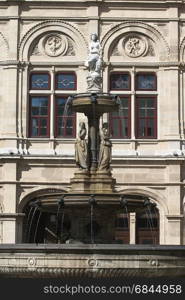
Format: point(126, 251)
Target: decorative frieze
point(110, 261)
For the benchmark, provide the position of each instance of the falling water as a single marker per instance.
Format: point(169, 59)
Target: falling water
point(148, 205)
point(60, 205)
point(62, 223)
point(57, 221)
point(123, 203)
point(32, 218)
point(28, 220)
point(92, 202)
point(92, 231)
point(36, 229)
point(66, 110)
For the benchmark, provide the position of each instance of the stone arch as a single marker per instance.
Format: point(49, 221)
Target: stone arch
point(53, 26)
point(160, 202)
point(138, 27)
point(4, 47)
point(155, 196)
point(35, 193)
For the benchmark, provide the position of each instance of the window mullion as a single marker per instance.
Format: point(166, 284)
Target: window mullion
point(52, 120)
point(133, 106)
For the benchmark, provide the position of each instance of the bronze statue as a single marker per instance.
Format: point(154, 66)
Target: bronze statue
point(105, 149)
point(81, 147)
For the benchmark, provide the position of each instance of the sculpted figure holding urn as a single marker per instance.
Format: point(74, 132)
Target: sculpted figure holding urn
point(81, 147)
point(105, 149)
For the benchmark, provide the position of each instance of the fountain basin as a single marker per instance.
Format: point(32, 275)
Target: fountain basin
point(102, 102)
point(87, 261)
point(50, 203)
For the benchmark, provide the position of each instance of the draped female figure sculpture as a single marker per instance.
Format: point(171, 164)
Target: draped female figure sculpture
point(81, 147)
point(94, 64)
point(105, 149)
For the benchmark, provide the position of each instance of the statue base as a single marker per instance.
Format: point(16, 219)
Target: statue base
point(94, 83)
point(92, 182)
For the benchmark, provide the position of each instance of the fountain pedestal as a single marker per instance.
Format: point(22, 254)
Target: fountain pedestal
point(93, 106)
point(92, 182)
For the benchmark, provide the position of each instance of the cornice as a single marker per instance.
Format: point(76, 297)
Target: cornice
point(93, 2)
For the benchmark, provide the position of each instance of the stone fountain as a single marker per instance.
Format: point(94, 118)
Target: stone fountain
point(92, 189)
point(88, 210)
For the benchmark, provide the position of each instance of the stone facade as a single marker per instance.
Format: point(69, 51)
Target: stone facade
point(34, 166)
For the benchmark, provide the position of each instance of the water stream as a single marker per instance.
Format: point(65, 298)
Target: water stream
point(31, 222)
point(66, 110)
point(37, 224)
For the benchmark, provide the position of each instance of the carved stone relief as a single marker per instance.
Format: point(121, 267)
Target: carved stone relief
point(115, 51)
point(54, 44)
point(133, 46)
point(151, 50)
point(36, 51)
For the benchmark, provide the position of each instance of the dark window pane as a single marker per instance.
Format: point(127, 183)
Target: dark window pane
point(151, 112)
point(39, 108)
point(121, 223)
point(115, 127)
point(66, 81)
point(40, 81)
point(124, 127)
point(69, 131)
point(35, 111)
point(60, 104)
point(43, 122)
point(123, 109)
point(142, 128)
point(150, 127)
point(147, 241)
point(119, 81)
point(64, 119)
point(146, 82)
point(146, 117)
point(34, 131)
point(60, 122)
point(44, 110)
point(43, 131)
point(120, 120)
point(69, 122)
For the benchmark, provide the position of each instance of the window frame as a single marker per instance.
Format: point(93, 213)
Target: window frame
point(56, 118)
point(119, 73)
point(137, 118)
point(111, 119)
point(39, 73)
point(145, 73)
point(30, 116)
point(65, 72)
